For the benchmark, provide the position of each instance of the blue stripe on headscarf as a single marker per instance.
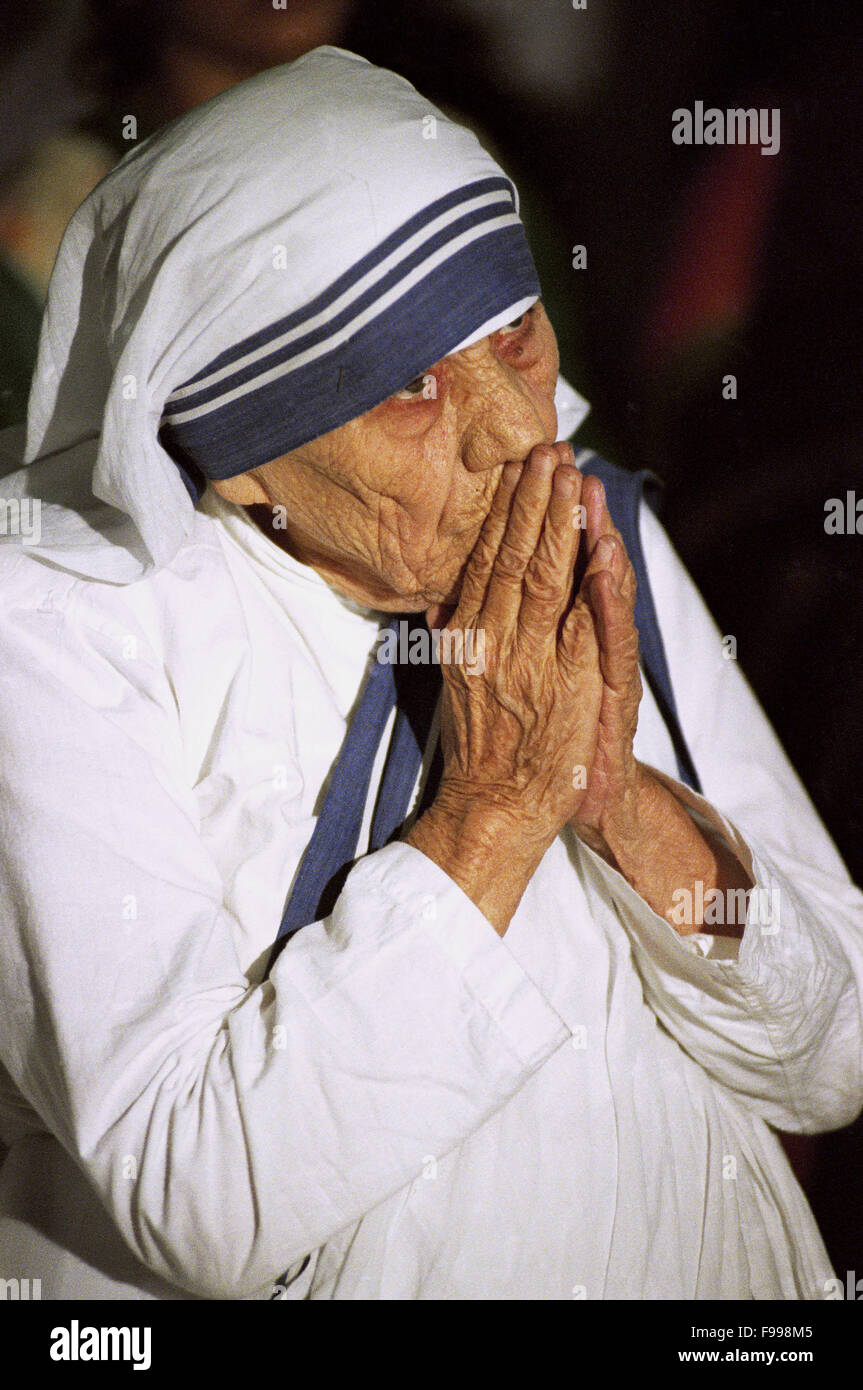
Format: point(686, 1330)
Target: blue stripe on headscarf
point(180, 398)
point(443, 308)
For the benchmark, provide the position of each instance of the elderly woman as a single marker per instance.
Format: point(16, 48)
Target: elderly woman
point(296, 380)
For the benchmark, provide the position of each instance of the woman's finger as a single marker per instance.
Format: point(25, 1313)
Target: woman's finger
point(604, 543)
point(616, 632)
point(481, 559)
point(549, 575)
point(597, 516)
point(607, 554)
point(578, 648)
point(523, 529)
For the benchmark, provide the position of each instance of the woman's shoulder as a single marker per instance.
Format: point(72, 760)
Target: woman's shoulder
point(61, 614)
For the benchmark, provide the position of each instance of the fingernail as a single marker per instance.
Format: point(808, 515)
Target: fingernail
point(604, 549)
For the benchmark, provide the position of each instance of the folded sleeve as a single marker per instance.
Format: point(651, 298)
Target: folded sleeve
point(775, 1017)
point(229, 1129)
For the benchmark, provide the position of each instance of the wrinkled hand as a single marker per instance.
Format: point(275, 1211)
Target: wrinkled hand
point(544, 731)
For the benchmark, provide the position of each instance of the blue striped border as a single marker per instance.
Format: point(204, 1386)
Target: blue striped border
point(417, 330)
point(340, 286)
point(327, 330)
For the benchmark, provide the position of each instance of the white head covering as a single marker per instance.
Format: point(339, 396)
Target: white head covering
point(259, 272)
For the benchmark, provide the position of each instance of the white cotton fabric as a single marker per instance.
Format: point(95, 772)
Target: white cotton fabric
point(578, 1110)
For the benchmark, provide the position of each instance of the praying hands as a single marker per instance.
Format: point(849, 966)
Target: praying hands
point(543, 736)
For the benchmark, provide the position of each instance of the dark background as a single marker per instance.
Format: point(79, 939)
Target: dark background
point(701, 262)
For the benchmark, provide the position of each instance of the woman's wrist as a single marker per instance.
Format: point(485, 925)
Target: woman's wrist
point(654, 843)
point(483, 848)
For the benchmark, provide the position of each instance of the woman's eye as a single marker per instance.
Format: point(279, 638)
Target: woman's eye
point(515, 325)
point(417, 387)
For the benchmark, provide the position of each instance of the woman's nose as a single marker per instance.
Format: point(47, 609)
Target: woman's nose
point(501, 418)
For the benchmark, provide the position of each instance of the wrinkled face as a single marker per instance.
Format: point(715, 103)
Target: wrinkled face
point(388, 507)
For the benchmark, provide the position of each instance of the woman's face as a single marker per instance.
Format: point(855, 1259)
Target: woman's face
point(388, 507)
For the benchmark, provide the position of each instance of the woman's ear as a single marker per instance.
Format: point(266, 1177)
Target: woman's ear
point(244, 490)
